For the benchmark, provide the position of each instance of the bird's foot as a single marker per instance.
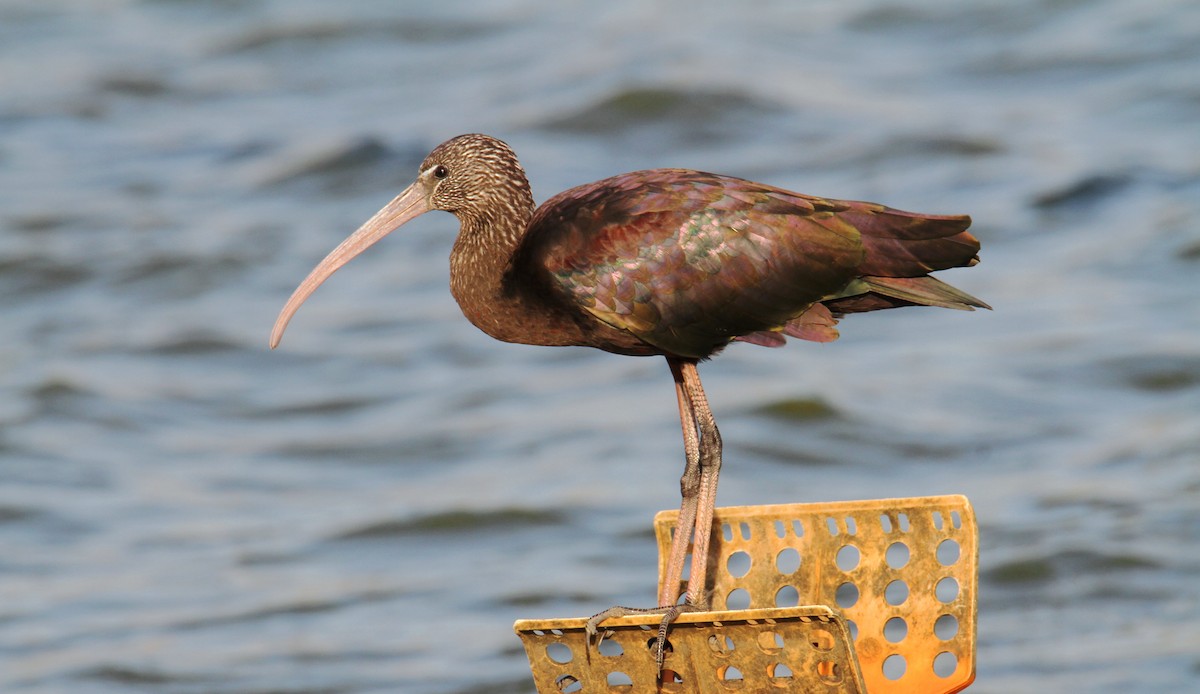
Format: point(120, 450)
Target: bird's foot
point(669, 612)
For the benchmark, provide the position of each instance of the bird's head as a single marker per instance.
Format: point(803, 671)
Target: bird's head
point(475, 177)
point(470, 176)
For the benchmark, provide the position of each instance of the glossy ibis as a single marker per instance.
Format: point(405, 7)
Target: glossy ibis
point(667, 262)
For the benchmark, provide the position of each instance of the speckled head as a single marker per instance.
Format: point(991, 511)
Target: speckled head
point(469, 174)
point(475, 177)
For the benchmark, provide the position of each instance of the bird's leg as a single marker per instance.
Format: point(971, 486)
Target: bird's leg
point(698, 487)
point(689, 485)
point(689, 490)
point(710, 469)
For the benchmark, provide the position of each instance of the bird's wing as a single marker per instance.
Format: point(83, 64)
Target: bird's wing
point(687, 261)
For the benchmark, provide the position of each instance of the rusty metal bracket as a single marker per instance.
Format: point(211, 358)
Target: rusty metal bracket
point(708, 652)
point(892, 585)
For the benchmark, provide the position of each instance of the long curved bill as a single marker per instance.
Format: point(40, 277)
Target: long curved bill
point(407, 205)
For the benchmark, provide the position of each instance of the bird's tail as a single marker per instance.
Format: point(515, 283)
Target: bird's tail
point(900, 250)
point(923, 291)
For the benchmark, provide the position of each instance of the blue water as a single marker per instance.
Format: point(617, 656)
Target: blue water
point(370, 507)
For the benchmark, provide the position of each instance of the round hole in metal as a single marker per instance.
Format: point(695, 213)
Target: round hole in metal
point(897, 555)
point(944, 664)
point(848, 557)
point(846, 595)
point(894, 666)
point(738, 599)
point(787, 561)
point(946, 627)
point(946, 589)
point(559, 653)
point(948, 552)
point(896, 593)
point(738, 564)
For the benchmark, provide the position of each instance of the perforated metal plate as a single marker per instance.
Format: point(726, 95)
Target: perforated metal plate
point(895, 577)
point(798, 649)
point(904, 573)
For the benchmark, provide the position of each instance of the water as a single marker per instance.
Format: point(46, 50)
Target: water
point(369, 508)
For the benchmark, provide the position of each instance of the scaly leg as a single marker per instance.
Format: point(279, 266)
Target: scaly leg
point(710, 470)
point(689, 490)
point(698, 488)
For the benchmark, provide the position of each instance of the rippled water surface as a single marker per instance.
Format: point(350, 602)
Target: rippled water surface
point(370, 507)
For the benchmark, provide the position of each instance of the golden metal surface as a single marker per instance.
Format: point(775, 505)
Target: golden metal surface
point(902, 571)
point(899, 574)
point(798, 649)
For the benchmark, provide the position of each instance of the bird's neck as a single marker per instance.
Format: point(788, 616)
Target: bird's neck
point(478, 263)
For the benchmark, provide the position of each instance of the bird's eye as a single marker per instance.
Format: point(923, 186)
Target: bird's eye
point(441, 172)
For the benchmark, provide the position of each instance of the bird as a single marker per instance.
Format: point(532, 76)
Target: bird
point(667, 262)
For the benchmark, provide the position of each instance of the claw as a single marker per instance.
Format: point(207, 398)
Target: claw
point(592, 628)
point(660, 645)
point(593, 641)
point(596, 636)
